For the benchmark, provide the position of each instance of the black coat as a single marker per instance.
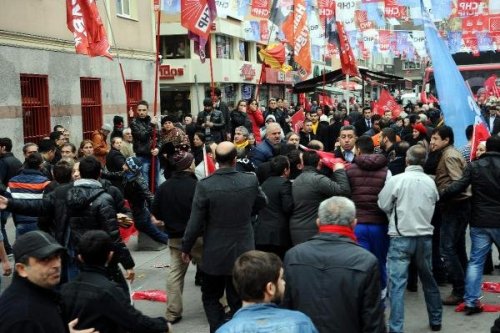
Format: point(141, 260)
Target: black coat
point(173, 200)
point(115, 160)
point(28, 308)
point(336, 283)
point(137, 192)
point(272, 227)
point(222, 208)
point(102, 304)
point(240, 119)
point(142, 132)
point(484, 177)
point(9, 167)
point(217, 132)
point(361, 127)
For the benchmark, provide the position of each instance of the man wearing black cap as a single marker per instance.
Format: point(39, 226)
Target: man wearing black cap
point(29, 304)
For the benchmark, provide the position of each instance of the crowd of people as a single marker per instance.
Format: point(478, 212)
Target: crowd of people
point(349, 208)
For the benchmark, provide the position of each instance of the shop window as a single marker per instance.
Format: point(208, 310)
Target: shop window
point(134, 95)
point(35, 107)
point(90, 89)
point(244, 50)
point(175, 47)
point(223, 47)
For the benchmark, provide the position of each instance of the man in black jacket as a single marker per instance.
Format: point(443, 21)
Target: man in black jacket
point(222, 206)
point(325, 274)
point(29, 304)
point(142, 127)
point(484, 177)
point(272, 230)
point(99, 302)
point(211, 122)
point(172, 205)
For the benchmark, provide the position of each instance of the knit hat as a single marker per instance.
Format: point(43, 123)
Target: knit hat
point(107, 127)
point(420, 128)
point(134, 164)
point(118, 120)
point(168, 117)
point(273, 118)
point(182, 160)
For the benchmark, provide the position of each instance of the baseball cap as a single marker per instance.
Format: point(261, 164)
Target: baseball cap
point(37, 244)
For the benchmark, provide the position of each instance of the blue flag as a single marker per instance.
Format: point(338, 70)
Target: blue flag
point(457, 103)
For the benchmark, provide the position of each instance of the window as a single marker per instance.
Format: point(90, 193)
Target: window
point(175, 47)
point(35, 106)
point(244, 49)
point(223, 47)
point(134, 94)
point(90, 89)
point(409, 65)
point(123, 7)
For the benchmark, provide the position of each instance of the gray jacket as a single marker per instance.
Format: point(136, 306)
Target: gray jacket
point(222, 206)
point(409, 199)
point(309, 189)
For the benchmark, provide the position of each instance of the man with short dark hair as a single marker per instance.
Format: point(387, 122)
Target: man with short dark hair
point(484, 177)
point(47, 149)
point(388, 139)
point(58, 138)
point(220, 105)
point(222, 208)
point(309, 189)
point(211, 122)
point(455, 213)
point(30, 183)
point(411, 232)
point(333, 280)
point(258, 279)
point(29, 304)
point(96, 300)
point(346, 146)
point(365, 123)
point(306, 134)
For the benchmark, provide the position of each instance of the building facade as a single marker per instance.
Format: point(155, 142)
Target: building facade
point(46, 83)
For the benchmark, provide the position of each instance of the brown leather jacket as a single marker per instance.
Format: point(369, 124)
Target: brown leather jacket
point(450, 168)
point(101, 147)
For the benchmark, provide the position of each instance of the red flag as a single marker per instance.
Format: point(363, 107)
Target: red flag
point(209, 164)
point(260, 8)
point(347, 60)
point(297, 120)
point(432, 99)
point(387, 102)
point(83, 20)
point(328, 159)
point(490, 85)
point(197, 16)
point(479, 133)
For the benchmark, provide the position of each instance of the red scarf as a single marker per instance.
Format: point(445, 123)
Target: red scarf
point(338, 229)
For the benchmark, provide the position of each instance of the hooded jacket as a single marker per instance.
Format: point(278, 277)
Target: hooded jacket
point(367, 175)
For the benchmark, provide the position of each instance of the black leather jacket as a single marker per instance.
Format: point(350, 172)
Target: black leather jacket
point(142, 132)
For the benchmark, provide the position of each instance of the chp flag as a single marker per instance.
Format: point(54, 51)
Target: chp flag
point(197, 17)
point(84, 22)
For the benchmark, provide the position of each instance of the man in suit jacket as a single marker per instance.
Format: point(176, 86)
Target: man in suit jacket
point(365, 123)
point(493, 119)
point(222, 207)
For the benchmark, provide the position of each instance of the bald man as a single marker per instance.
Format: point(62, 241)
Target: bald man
point(269, 147)
point(222, 207)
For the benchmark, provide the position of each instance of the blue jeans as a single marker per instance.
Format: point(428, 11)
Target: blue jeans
point(401, 251)
point(374, 238)
point(481, 240)
point(142, 219)
point(455, 217)
point(146, 170)
point(22, 228)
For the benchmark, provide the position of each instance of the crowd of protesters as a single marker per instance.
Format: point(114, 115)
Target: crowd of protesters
point(349, 208)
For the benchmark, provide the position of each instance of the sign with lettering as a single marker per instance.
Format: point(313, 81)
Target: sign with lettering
point(247, 72)
point(169, 73)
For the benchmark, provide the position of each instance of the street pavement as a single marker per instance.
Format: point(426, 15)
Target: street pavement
point(152, 268)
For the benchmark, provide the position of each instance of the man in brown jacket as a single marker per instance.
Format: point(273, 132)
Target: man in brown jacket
point(101, 147)
point(455, 213)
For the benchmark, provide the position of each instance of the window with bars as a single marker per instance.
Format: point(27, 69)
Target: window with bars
point(90, 89)
point(134, 95)
point(35, 106)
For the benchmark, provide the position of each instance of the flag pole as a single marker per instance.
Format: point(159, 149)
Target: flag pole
point(346, 92)
point(152, 181)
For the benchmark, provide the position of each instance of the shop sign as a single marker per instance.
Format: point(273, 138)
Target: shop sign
point(247, 72)
point(169, 73)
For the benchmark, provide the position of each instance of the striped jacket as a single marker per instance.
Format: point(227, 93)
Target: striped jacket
point(28, 184)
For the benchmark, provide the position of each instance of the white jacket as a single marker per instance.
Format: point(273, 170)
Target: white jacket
point(409, 199)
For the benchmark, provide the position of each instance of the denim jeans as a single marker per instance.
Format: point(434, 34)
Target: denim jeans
point(481, 240)
point(401, 250)
point(22, 228)
point(455, 217)
point(146, 170)
point(142, 219)
point(374, 238)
